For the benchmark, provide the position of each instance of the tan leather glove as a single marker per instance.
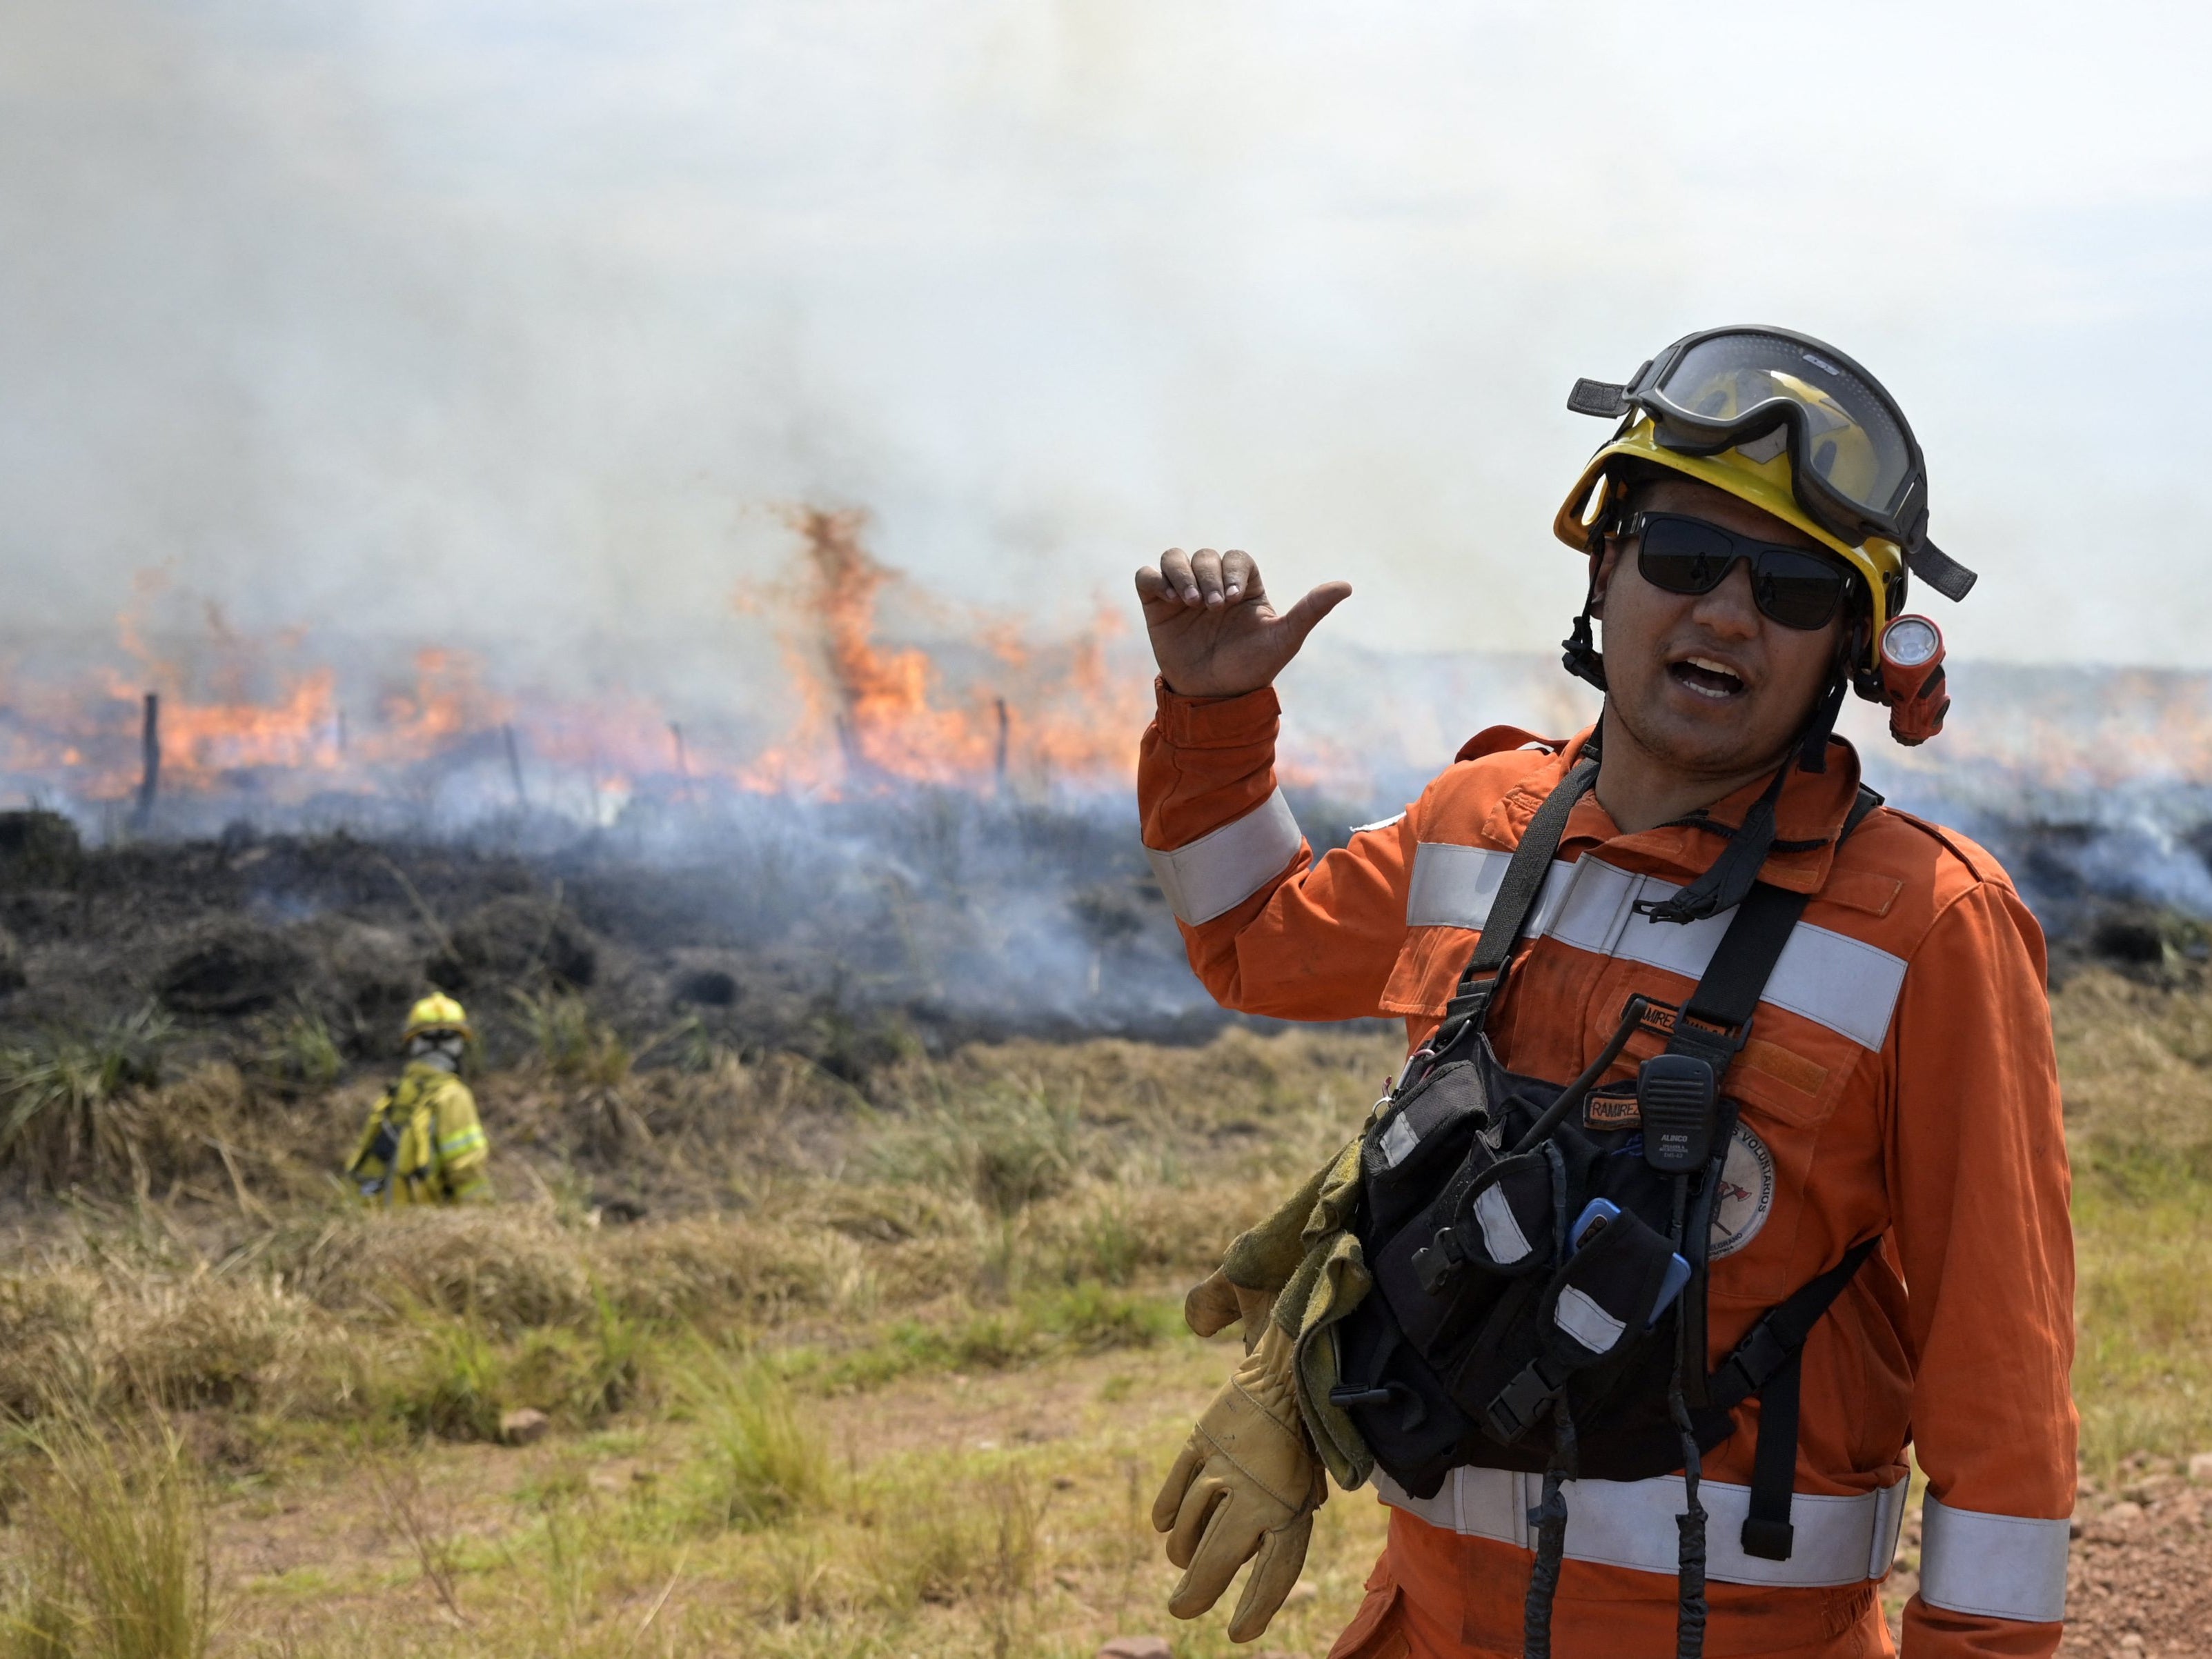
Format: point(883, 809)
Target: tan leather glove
point(1216, 1303)
point(1247, 1483)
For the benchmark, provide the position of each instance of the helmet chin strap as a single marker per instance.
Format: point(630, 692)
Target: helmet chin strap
point(1583, 658)
point(1820, 725)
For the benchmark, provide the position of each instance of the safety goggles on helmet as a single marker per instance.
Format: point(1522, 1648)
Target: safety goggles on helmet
point(1854, 466)
point(1792, 585)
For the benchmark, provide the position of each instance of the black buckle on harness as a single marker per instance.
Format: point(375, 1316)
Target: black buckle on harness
point(1718, 1045)
point(1757, 1361)
point(1472, 999)
point(1466, 1007)
point(1522, 1402)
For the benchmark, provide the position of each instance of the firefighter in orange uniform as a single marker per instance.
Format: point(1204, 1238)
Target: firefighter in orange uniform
point(1728, 1159)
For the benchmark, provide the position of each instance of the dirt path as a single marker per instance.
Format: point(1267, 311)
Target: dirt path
point(324, 1546)
point(310, 1552)
point(2141, 1579)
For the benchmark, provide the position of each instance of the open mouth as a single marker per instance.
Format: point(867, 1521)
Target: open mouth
point(1706, 677)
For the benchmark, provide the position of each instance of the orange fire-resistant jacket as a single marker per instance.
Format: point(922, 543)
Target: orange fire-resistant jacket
point(1900, 1081)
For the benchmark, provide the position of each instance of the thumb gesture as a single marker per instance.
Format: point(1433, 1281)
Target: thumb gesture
point(1214, 632)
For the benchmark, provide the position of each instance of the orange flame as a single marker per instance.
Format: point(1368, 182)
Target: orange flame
point(991, 702)
point(871, 714)
point(993, 707)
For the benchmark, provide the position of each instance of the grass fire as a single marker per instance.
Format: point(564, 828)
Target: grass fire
point(855, 1136)
point(207, 722)
point(954, 832)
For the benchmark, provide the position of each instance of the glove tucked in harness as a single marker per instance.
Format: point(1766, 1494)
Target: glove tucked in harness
point(1303, 1269)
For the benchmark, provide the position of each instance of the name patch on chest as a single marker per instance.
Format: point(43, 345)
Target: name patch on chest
point(1611, 1108)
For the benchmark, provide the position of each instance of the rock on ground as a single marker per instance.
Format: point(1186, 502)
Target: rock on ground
point(525, 1427)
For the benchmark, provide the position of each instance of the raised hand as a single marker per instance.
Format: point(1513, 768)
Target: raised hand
point(1213, 633)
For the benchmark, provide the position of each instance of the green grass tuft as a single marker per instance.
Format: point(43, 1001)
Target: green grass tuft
point(65, 1101)
point(761, 1463)
point(572, 1042)
point(299, 1052)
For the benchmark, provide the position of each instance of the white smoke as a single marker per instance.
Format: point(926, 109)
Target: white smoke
point(487, 321)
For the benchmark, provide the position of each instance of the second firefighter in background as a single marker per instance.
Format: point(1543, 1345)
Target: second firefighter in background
point(423, 1143)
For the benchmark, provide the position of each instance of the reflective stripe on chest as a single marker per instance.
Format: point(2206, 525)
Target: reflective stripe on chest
point(1850, 987)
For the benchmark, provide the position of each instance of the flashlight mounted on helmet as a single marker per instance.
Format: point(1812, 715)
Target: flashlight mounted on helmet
point(1913, 679)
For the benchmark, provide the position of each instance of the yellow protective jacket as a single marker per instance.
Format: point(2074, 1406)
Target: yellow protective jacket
point(424, 1144)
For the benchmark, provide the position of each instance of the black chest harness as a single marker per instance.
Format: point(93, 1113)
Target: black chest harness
point(1531, 1308)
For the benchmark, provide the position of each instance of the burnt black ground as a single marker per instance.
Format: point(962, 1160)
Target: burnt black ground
point(837, 930)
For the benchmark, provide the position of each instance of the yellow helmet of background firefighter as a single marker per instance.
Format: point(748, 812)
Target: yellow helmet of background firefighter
point(1757, 472)
point(436, 1013)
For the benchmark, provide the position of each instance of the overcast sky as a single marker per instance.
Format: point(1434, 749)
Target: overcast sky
point(432, 315)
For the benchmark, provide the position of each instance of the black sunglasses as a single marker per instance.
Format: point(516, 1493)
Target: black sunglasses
point(1795, 587)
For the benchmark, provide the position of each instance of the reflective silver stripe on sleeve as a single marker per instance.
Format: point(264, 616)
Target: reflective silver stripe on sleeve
point(2000, 1566)
point(1219, 871)
point(1833, 980)
point(1631, 1523)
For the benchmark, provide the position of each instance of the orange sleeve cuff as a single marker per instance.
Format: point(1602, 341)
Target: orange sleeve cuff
point(1215, 722)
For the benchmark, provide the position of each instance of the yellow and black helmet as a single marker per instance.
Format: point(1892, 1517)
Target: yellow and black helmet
point(436, 1013)
point(1790, 425)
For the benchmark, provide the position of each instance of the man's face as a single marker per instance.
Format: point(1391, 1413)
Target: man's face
point(1707, 683)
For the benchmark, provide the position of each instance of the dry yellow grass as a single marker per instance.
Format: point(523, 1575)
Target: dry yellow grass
point(891, 1372)
point(997, 1223)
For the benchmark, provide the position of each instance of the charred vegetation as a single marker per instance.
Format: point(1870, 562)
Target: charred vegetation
point(209, 1017)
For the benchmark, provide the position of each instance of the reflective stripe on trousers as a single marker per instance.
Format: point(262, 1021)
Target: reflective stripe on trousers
point(1631, 1523)
point(1997, 1566)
